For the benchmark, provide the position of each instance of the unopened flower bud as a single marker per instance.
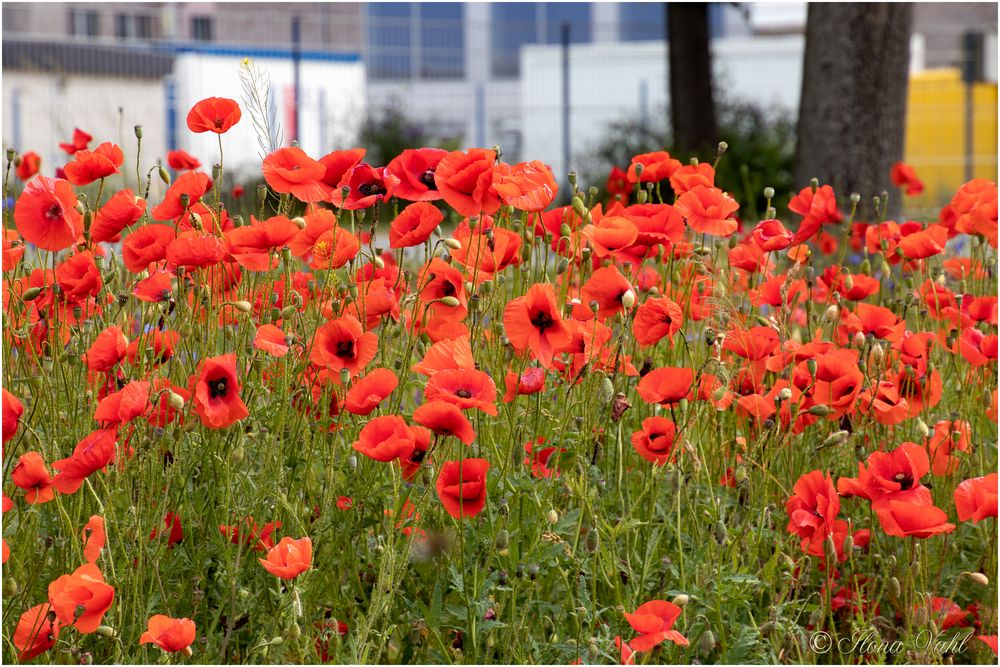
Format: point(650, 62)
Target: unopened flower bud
point(106, 631)
point(31, 293)
point(593, 541)
point(681, 600)
point(606, 390)
point(820, 410)
point(628, 299)
point(164, 174)
point(242, 306)
point(552, 517)
point(768, 193)
point(978, 578)
point(707, 643)
point(175, 400)
point(450, 301)
point(300, 222)
point(454, 244)
point(502, 539)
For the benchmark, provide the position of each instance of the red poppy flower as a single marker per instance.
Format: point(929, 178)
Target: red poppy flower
point(45, 214)
point(446, 354)
point(527, 186)
point(146, 245)
point(89, 166)
point(172, 528)
point(157, 288)
point(271, 339)
point(655, 442)
point(529, 382)
point(813, 507)
point(655, 319)
point(170, 634)
point(708, 210)
point(753, 344)
point(79, 278)
point(445, 419)
point(465, 180)
point(367, 187)
point(610, 235)
point(80, 141)
point(217, 393)
point(385, 438)
point(368, 391)
point(410, 464)
point(901, 518)
point(214, 114)
point(194, 184)
point(461, 486)
point(122, 210)
point(182, 160)
point(339, 163)
point(333, 249)
point(415, 168)
point(28, 165)
point(905, 176)
point(884, 404)
point(13, 249)
point(91, 454)
point(817, 208)
point(657, 224)
point(691, 175)
point(666, 386)
point(36, 632)
point(94, 538)
point(195, 250)
point(344, 503)
point(31, 475)
point(343, 343)
point(837, 383)
point(123, 406)
point(85, 589)
point(894, 475)
point(654, 621)
point(656, 167)
point(533, 322)
point(608, 287)
point(248, 532)
point(12, 411)
point(414, 225)
point(771, 235)
point(442, 280)
point(976, 498)
point(618, 185)
point(290, 171)
point(466, 388)
point(289, 558)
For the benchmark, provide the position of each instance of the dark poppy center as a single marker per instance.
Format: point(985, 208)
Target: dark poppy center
point(55, 212)
point(373, 188)
point(463, 393)
point(418, 456)
point(448, 289)
point(905, 481)
point(654, 436)
point(542, 320)
point(345, 349)
point(218, 388)
point(427, 178)
point(218, 123)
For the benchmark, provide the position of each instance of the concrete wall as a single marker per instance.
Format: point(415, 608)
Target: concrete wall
point(41, 110)
point(332, 102)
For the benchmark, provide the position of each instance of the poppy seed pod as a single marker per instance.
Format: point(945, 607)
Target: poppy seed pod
point(138, 131)
point(11, 154)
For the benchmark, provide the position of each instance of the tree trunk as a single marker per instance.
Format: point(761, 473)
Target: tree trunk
point(692, 108)
point(854, 84)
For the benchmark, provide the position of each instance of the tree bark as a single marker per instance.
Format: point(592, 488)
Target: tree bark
point(692, 107)
point(853, 105)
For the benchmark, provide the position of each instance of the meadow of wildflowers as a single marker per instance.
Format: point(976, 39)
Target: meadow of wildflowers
point(420, 413)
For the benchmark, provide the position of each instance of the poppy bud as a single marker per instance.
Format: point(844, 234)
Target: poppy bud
point(293, 632)
point(378, 262)
point(848, 544)
point(450, 301)
point(238, 455)
point(681, 600)
point(707, 643)
point(978, 578)
point(552, 517)
point(836, 438)
point(187, 651)
point(106, 631)
point(164, 174)
point(894, 588)
point(533, 571)
point(606, 391)
point(641, 197)
point(594, 306)
point(593, 541)
point(9, 587)
point(242, 306)
point(831, 548)
point(216, 172)
point(855, 198)
point(723, 147)
point(766, 628)
point(454, 244)
point(31, 293)
point(562, 266)
point(769, 193)
point(628, 299)
point(785, 394)
point(720, 533)
point(579, 207)
point(176, 401)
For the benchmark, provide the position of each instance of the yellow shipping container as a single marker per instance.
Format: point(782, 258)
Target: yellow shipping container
point(935, 133)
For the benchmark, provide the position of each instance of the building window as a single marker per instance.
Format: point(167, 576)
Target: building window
point(442, 40)
point(201, 28)
point(84, 23)
point(518, 24)
point(389, 40)
point(130, 26)
point(424, 40)
point(642, 22)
